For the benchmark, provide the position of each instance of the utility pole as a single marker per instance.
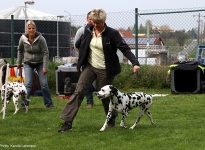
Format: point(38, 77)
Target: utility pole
point(198, 32)
point(58, 36)
point(26, 17)
point(70, 32)
point(198, 28)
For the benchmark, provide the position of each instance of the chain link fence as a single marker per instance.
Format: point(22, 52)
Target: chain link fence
point(55, 30)
point(181, 31)
point(164, 36)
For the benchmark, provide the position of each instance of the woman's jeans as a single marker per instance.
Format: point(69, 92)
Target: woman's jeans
point(89, 95)
point(43, 82)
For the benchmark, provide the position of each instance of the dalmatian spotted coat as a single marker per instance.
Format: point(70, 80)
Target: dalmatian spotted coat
point(124, 102)
point(16, 90)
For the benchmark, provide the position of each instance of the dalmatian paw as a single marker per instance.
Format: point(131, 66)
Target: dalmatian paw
point(16, 111)
point(102, 129)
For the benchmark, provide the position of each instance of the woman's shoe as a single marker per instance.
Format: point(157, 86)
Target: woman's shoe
point(51, 106)
point(89, 105)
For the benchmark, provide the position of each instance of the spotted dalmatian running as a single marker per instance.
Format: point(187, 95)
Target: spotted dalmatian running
point(15, 90)
point(124, 102)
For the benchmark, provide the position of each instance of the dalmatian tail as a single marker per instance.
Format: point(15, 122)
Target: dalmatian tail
point(159, 95)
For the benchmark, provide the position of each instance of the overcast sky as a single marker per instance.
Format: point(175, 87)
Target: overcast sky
point(79, 7)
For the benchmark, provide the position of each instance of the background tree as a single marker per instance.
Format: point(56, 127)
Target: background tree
point(165, 36)
point(148, 23)
point(180, 37)
point(142, 29)
point(165, 32)
point(192, 33)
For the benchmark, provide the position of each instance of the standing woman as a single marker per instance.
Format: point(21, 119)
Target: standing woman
point(99, 60)
point(33, 49)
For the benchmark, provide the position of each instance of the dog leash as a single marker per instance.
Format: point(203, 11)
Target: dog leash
point(127, 77)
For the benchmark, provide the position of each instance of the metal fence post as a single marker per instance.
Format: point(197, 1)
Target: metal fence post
point(136, 33)
point(12, 39)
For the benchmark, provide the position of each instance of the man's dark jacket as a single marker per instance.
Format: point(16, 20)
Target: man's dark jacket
point(111, 41)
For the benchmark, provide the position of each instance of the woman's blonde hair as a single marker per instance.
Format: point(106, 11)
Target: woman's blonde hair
point(30, 22)
point(98, 15)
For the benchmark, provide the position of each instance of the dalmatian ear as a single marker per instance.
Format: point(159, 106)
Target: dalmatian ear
point(113, 89)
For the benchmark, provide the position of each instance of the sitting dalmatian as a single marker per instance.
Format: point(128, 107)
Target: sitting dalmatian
point(16, 90)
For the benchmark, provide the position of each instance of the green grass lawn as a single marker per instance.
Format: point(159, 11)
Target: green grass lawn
point(179, 125)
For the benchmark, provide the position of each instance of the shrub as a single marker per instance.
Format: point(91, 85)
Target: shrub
point(147, 77)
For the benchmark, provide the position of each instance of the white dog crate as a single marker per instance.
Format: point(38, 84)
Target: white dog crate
point(66, 79)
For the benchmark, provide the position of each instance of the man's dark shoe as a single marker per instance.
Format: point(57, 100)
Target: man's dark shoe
point(67, 126)
point(111, 123)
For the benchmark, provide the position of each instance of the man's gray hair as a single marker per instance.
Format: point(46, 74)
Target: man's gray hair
point(98, 15)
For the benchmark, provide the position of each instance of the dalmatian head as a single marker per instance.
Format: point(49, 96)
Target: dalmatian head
point(106, 91)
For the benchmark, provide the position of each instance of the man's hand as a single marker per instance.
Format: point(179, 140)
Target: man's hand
point(136, 68)
point(18, 66)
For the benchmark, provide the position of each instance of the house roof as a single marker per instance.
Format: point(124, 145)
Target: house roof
point(126, 34)
point(142, 40)
point(19, 13)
